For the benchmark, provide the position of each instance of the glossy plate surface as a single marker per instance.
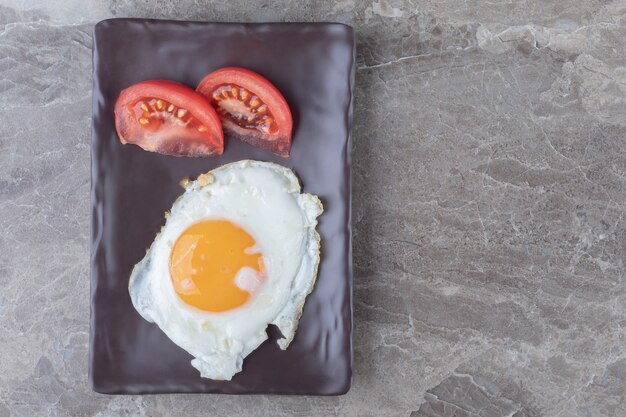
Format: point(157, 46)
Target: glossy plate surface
point(312, 64)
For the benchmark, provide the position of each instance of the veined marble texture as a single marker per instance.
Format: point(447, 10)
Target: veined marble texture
point(489, 198)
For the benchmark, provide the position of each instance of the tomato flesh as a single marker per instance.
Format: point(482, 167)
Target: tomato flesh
point(250, 108)
point(168, 118)
point(243, 108)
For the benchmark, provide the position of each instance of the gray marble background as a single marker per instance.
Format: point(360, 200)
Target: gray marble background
point(489, 200)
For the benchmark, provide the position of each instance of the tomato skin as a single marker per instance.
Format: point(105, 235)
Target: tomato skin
point(196, 133)
point(278, 140)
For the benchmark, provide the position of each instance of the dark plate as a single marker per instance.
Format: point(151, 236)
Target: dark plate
point(312, 64)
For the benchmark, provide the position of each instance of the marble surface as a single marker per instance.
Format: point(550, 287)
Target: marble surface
point(489, 199)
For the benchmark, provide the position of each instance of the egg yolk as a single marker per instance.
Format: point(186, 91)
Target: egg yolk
point(214, 264)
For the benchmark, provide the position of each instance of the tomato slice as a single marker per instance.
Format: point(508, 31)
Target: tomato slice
point(250, 108)
point(168, 118)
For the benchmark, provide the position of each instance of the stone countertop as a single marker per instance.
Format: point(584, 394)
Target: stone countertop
point(489, 199)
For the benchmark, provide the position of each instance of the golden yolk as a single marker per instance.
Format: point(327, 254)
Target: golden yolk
point(205, 260)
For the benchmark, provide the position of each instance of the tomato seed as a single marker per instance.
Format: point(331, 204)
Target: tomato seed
point(202, 128)
point(181, 113)
point(159, 104)
point(258, 116)
point(144, 121)
point(144, 107)
point(170, 108)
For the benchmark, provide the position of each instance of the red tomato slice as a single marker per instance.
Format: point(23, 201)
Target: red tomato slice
point(168, 118)
point(250, 108)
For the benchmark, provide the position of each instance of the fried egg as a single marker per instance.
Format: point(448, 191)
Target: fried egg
point(238, 251)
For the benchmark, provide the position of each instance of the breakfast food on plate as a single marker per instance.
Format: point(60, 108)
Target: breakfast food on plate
point(168, 118)
point(250, 108)
point(172, 119)
point(238, 251)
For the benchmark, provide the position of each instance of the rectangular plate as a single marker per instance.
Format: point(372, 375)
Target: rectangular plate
point(312, 64)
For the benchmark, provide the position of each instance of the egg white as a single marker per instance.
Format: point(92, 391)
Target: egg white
point(265, 199)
